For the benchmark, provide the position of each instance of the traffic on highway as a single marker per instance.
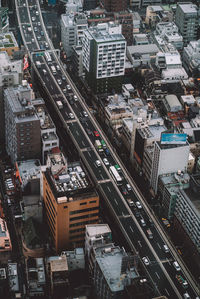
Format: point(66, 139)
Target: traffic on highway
point(158, 257)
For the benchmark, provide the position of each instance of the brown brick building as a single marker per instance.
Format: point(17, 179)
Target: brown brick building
point(114, 5)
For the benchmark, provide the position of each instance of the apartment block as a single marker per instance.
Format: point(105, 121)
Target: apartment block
point(10, 75)
point(22, 125)
point(187, 20)
point(8, 43)
point(114, 6)
point(5, 242)
point(70, 202)
point(104, 52)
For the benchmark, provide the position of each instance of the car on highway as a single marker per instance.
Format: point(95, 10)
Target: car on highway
point(85, 114)
point(59, 81)
point(58, 67)
point(64, 90)
point(98, 163)
point(44, 71)
point(146, 260)
point(176, 266)
point(68, 87)
point(75, 98)
point(143, 223)
point(138, 204)
point(38, 23)
point(128, 187)
point(105, 161)
point(71, 115)
point(165, 248)
point(35, 29)
point(96, 134)
point(88, 131)
point(124, 191)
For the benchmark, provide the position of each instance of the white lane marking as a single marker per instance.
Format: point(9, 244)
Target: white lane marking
point(131, 228)
point(89, 154)
point(158, 245)
point(157, 275)
point(116, 201)
point(167, 292)
point(77, 132)
point(109, 189)
point(139, 242)
point(83, 143)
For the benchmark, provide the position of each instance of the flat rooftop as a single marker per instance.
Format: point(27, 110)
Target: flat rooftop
point(110, 261)
point(7, 40)
point(188, 8)
point(28, 170)
point(97, 229)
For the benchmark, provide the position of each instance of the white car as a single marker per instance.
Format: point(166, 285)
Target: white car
point(75, 98)
point(105, 161)
point(98, 163)
point(71, 115)
point(59, 81)
point(128, 187)
point(85, 114)
point(145, 260)
point(138, 204)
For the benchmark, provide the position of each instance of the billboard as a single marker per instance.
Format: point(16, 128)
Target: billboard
point(173, 138)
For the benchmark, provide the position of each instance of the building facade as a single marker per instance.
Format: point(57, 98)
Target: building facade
point(187, 20)
point(104, 49)
point(22, 125)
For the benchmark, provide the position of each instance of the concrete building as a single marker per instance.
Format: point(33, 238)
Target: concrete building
point(191, 58)
point(58, 273)
point(77, 61)
point(167, 32)
point(168, 158)
point(8, 43)
point(14, 280)
point(75, 259)
point(125, 18)
point(96, 235)
point(172, 103)
point(72, 28)
point(89, 4)
point(105, 69)
point(74, 6)
point(10, 75)
point(22, 125)
point(142, 54)
point(5, 241)
point(49, 136)
point(114, 270)
point(36, 279)
point(70, 202)
point(187, 20)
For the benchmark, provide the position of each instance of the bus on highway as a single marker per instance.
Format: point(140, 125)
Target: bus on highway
point(115, 175)
point(48, 57)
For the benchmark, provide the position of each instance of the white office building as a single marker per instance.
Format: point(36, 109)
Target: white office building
point(168, 158)
point(104, 53)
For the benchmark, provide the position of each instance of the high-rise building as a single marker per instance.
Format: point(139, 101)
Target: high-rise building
point(168, 158)
point(114, 6)
point(187, 20)
point(22, 125)
point(70, 201)
point(126, 20)
point(10, 75)
point(104, 52)
point(4, 21)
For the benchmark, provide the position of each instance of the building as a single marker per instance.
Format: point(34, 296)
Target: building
point(29, 174)
point(70, 202)
point(8, 43)
point(89, 4)
point(75, 259)
point(77, 61)
point(125, 18)
point(5, 242)
point(36, 279)
point(114, 6)
point(74, 6)
point(96, 235)
point(49, 136)
point(4, 21)
point(105, 69)
point(10, 75)
point(191, 58)
point(168, 158)
point(14, 280)
point(22, 125)
point(167, 32)
point(114, 270)
point(187, 20)
point(58, 273)
point(142, 54)
point(72, 27)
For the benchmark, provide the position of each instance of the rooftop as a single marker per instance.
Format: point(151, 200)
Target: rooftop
point(59, 264)
point(13, 277)
point(28, 170)
point(188, 8)
point(75, 259)
point(7, 40)
point(5, 242)
point(97, 229)
point(143, 49)
point(66, 179)
point(113, 264)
